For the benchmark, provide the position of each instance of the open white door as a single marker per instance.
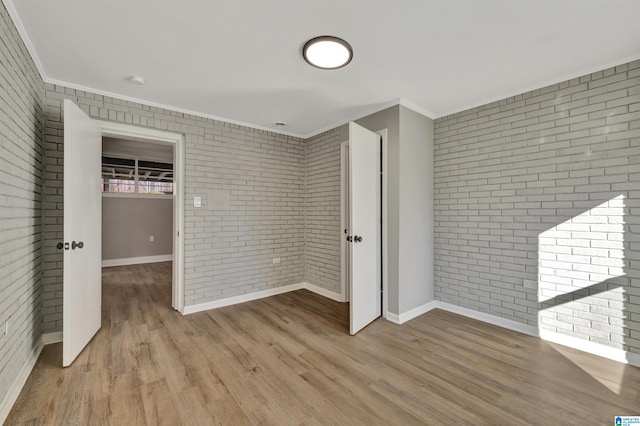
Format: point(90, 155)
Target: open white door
point(364, 227)
point(82, 298)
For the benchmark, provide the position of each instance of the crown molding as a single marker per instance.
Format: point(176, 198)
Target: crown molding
point(542, 85)
point(168, 107)
point(17, 22)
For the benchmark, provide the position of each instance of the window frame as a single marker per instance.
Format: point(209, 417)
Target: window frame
point(136, 179)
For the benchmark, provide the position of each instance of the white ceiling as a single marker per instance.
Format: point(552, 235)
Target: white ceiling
point(241, 60)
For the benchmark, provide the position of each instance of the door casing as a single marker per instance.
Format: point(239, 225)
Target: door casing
point(142, 134)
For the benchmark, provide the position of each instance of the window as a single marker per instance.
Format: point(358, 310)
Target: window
point(136, 176)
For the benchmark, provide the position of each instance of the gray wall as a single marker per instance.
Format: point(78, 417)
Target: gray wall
point(128, 222)
point(390, 119)
point(21, 164)
point(409, 206)
point(228, 251)
point(415, 231)
point(542, 190)
point(322, 209)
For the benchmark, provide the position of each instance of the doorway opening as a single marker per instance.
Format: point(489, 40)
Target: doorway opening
point(154, 184)
point(137, 202)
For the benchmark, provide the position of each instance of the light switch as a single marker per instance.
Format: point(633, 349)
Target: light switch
point(197, 201)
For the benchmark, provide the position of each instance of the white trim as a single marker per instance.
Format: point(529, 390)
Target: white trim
point(167, 107)
point(344, 279)
point(369, 111)
point(50, 338)
point(488, 318)
point(411, 314)
point(541, 85)
point(591, 347)
point(385, 239)
point(338, 297)
point(394, 318)
point(108, 263)
point(179, 194)
point(416, 108)
point(13, 13)
point(234, 300)
point(135, 133)
point(417, 311)
point(17, 22)
point(18, 383)
point(177, 140)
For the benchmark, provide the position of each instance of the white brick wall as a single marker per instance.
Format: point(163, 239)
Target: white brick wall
point(227, 252)
point(543, 189)
point(21, 152)
point(322, 210)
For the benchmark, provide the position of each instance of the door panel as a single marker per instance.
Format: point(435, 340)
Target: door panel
point(364, 226)
point(82, 299)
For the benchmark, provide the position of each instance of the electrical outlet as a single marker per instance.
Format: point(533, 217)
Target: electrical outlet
point(152, 238)
point(197, 201)
point(276, 260)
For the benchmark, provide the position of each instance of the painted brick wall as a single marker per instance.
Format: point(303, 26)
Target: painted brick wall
point(538, 208)
point(322, 210)
point(21, 156)
point(227, 252)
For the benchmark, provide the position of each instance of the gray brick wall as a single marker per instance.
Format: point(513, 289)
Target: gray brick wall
point(21, 154)
point(227, 252)
point(322, 210)
point(538, 208)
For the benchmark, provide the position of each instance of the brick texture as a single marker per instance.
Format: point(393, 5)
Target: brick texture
point(21, 173)
point(228, 252)
point(322, 210)
point(538, 208)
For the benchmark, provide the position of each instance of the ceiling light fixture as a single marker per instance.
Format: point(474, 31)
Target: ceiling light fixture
point(327, 52)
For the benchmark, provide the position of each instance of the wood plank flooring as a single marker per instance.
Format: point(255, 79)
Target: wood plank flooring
point(289, 360)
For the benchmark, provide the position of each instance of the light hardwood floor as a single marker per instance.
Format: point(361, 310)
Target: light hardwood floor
point(289, 360)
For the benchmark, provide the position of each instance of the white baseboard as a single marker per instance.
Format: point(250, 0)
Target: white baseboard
point(394, 318)
point(410, 314)
point(549, 336)
point(50, 338)
point(416, 312)
point(14, 390)
point(137, 260)
point(488, 318)
point(234, 300)
point(323, 292)
point(591, 347)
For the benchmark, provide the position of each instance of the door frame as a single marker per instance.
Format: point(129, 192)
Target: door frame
point(142, 134)
point(344, 202)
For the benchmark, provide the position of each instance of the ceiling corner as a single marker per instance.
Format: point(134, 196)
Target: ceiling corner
point(17, 22)
point(416, 108)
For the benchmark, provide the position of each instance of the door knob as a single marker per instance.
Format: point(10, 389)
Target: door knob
point(357, 239)
point(78, 245)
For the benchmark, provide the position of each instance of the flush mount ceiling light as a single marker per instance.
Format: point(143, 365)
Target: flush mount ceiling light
point(327, 52)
